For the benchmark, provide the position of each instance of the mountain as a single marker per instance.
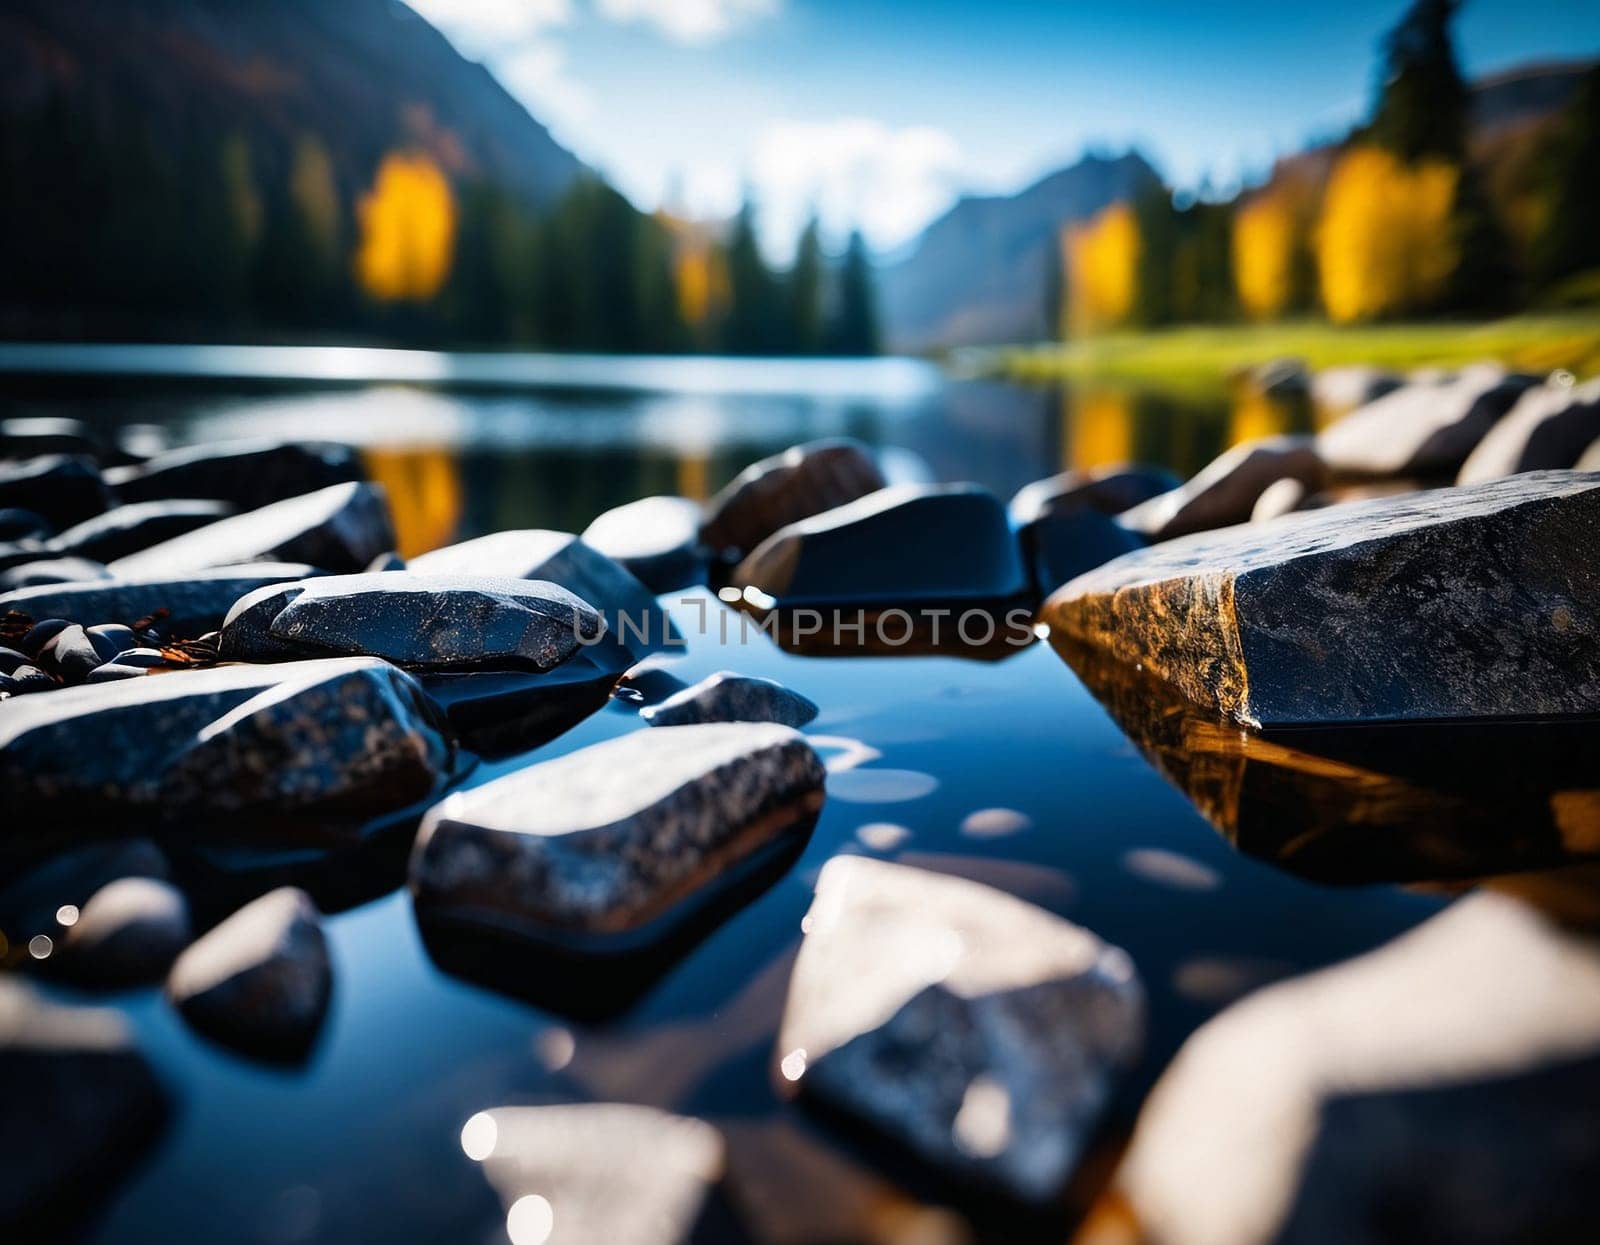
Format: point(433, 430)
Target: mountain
point(979, 273)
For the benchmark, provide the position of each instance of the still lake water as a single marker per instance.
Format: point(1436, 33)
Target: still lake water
point(362, 1141)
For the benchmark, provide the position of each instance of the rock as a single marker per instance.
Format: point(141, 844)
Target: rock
point(1281, 498)
point(901, 546)
point(902, 466)
point(80, 1104)
point(1455, 603)
point(390, 561)
point(25, 679)
point(1225, 492)
point(802, 481)
point(64, 489)
point(1422, 430)
point(1589, 460)
point(621, 1174)
point(339, 528)
point(1061, 545)
point(112, 672)
point(10, 659)
point(139, 658)
point(194, 603)
point(110, 640)
point(18, 524)
point(980, 1032)
point(729, 697)
point(635, 622)
point(16, 553)
point(339, 737)
point(1338, 390)
point(1550, 426)
point(35, 436)
point(432, 622)
point(656, 539)
point(1281, 378)
point(597, 850)
point(649, 683)
point(41, 633)
point(1108, 490)
point(30, 901)
point(260, 981)
point(247, 474)
point(50, 571)
point(1373, 1101)
point(74, 656)
point(130, 529)
point(128, 933)
point(497, 712)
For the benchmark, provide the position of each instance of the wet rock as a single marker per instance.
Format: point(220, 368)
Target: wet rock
point(112, 672)
point(64, 489)
point(729, 697)
point(260, 981)
point(339, 528)
point(656, 539)
point(130, 529)
point(36, 436)
point(111, 639)
point(16, 553)
point(1455, 603)
point(1061, 545)
point(1225, 492)
point(1550, 426)
point(26, 679)
point(900, 546)
point(497, 712)
point(600, 849)
point(30, 901)
point(80, 1104)
point(50, 571)
point(128, 933)
point(1338, 390)
point(390, 561)
point(434, 622)
point(649, 683)
point(1108, 490)
point(1373, 1101)
point(247, 474)
point(18, 524)
point(622, 1174)
point(802, 481)
point(74, 656)
point(982, 1033)
point(1284, 497)
point(139, 658)
point(42, 633)
point(194, 602)
point(337, 737)
point(635, 623)
point(1422, 430)
point(10, 659)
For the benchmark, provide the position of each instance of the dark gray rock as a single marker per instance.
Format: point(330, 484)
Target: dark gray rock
point(261, 980)
point(130, 529)
point(1470, 602)
point(980, 1032)
point(128, 933)
point(1226, 491)
point(1064, 523)
point(656, 539)
point(1336, 391)
point(802, 481)
point(433, 622)
point(248, 474)
point(621, 1174)
point(195, 602)
point(10, 659)
point(74, 655)
point(111, 639)
point(729, 697)
point(35, 436)
point(139, 658)
point(1422, 430)
point(64, 489)
point(1550, 426)
point(18, 524)
point(50, 571)
point(1108, 490)
point(497, 712)
point(30, 900)
point(586, 851)
point(901, 546)
point(112, 672)
point(42, 632)
point(339, 528)
point(341, 737)
point(80, 1104)
point(390, 561)
point(26, 679)
point(15, 553)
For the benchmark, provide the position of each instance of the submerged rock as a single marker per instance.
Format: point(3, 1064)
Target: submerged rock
point(802, 481)
point(30, 901)
point(621, 1174)
point(260, 981)
point(63, 489)
point(729, 697)
point(980, 1032)
point(340, 528)
point(432, 622)
point(247, 474)
point(1550, 426)
point(1455, 603)
point(1226, 491)
point(901, 546)
point(656, 539)
point(128, 932)
point(129, 529)
point(80, 1104)
point(1424, 429)
point(591, 850)
point(497, 712)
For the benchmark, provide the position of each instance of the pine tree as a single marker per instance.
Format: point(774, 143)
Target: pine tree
point(754, 295)
point(804, 327)
point(853, 329)
point(1422, 101)
point(1569, 241)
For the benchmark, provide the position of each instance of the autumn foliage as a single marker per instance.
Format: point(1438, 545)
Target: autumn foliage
point(408, 230)
point(1102, 261)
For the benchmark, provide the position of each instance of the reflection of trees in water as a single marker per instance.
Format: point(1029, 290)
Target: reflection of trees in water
point(425, 494)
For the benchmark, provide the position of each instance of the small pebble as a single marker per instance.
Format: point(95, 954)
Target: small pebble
point(109, 639)
point(41, 633)
point(25, 679)
point(129, 932)
point(74, 654)
point(139, 658)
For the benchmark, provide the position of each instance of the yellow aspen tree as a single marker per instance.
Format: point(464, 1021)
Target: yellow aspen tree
point(1102, 269)
point(408, 230)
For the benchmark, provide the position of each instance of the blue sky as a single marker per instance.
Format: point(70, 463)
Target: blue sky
point(879, 113)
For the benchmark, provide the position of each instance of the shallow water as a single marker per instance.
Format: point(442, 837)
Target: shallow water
point(1007, 772)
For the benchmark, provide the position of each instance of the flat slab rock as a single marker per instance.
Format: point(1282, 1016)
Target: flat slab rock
point(729, 697)
point(341, 736)
point(656, 539)
point(339, 528)
point(130, 529)
point(981, 1032)
point(424, 622)
point(621, 1174)
point(63, 488)
point(249, 473)
point(1226, 491)
point(590, 848)
point(1550, 427)
point(259, 981)
point(770, 494)
point(1455, 603)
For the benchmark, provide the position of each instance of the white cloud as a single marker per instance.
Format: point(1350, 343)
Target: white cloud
point(536, 73)
point(479, 27)
point(855, 173)
point(688, 21)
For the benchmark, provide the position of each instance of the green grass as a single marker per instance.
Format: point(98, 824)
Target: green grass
point(1200, 356)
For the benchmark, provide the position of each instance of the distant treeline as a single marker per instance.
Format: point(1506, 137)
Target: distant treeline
point(1406, 217)
point(112, 232)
